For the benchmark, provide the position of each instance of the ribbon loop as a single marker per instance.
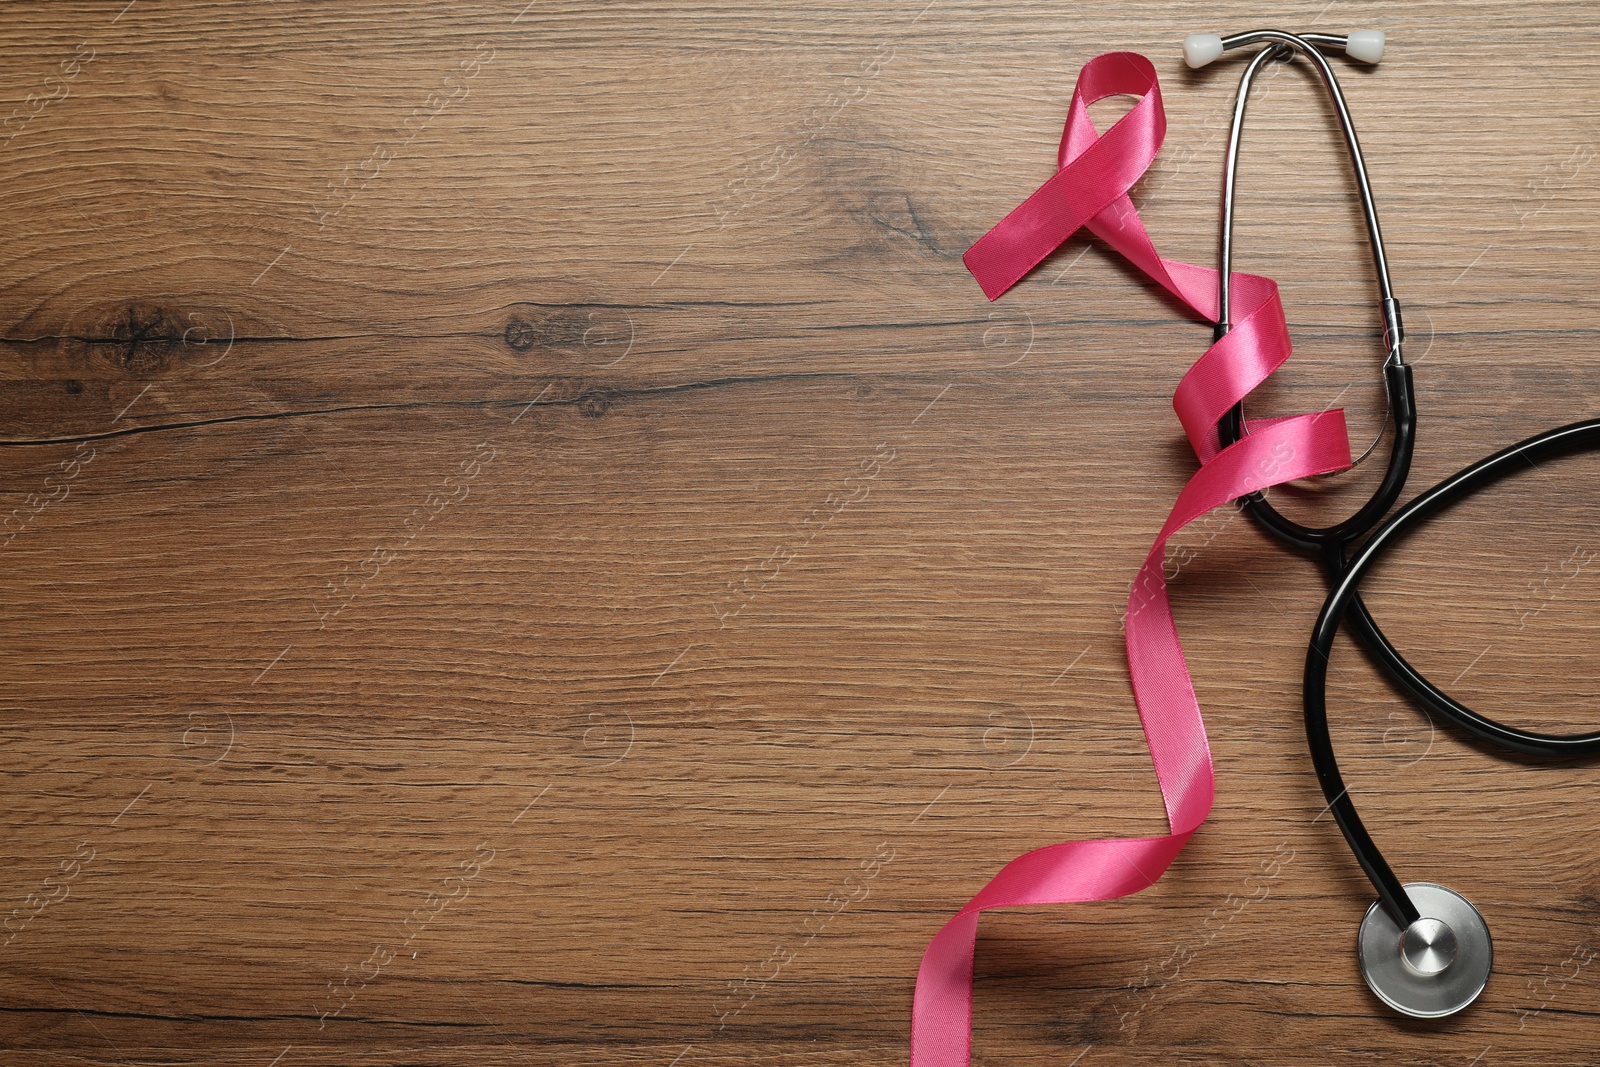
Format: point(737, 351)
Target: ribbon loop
point(1094, 177)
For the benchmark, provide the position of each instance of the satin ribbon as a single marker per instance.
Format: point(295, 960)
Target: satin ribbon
point(1090, 190)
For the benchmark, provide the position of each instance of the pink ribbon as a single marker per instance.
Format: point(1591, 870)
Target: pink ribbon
point(1090, 190)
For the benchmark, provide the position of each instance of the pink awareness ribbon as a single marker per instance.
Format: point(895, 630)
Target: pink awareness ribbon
point(1090, 190)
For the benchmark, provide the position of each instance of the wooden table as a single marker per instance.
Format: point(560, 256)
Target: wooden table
point(526, 545)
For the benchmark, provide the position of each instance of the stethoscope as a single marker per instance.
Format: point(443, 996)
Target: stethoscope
point(1424, 949)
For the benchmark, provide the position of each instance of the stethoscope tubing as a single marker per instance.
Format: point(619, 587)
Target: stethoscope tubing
point(1343, 600)
point(1434, 700)
point(1336, 538)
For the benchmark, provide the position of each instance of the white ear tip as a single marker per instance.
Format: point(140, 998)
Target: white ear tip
point(1202, 48)
point(1365, 46)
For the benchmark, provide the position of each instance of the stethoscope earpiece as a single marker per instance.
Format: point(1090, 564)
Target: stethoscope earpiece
point(1434, 967)
point(1365, 46)
point(1201, 49)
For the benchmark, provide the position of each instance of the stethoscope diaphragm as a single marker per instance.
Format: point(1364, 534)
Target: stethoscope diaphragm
point(1434, 967)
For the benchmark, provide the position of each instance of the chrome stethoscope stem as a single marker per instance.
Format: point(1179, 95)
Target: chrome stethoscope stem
point(1286, 45)
point(1230, 171)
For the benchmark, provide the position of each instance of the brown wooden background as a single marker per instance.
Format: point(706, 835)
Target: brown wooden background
point(399, 400)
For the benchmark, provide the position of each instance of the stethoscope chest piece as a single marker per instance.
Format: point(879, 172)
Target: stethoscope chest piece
point(1437, 965)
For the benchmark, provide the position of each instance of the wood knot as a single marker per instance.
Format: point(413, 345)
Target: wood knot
point(521, 334)
point(140, 338)
point(147, 337)
point(598, 336)
point(558, 330)
point(593, 405)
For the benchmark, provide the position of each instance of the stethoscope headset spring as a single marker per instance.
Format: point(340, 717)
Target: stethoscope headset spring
point(1424, 950)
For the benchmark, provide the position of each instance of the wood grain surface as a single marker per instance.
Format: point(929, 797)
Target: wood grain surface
point(526, 546)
